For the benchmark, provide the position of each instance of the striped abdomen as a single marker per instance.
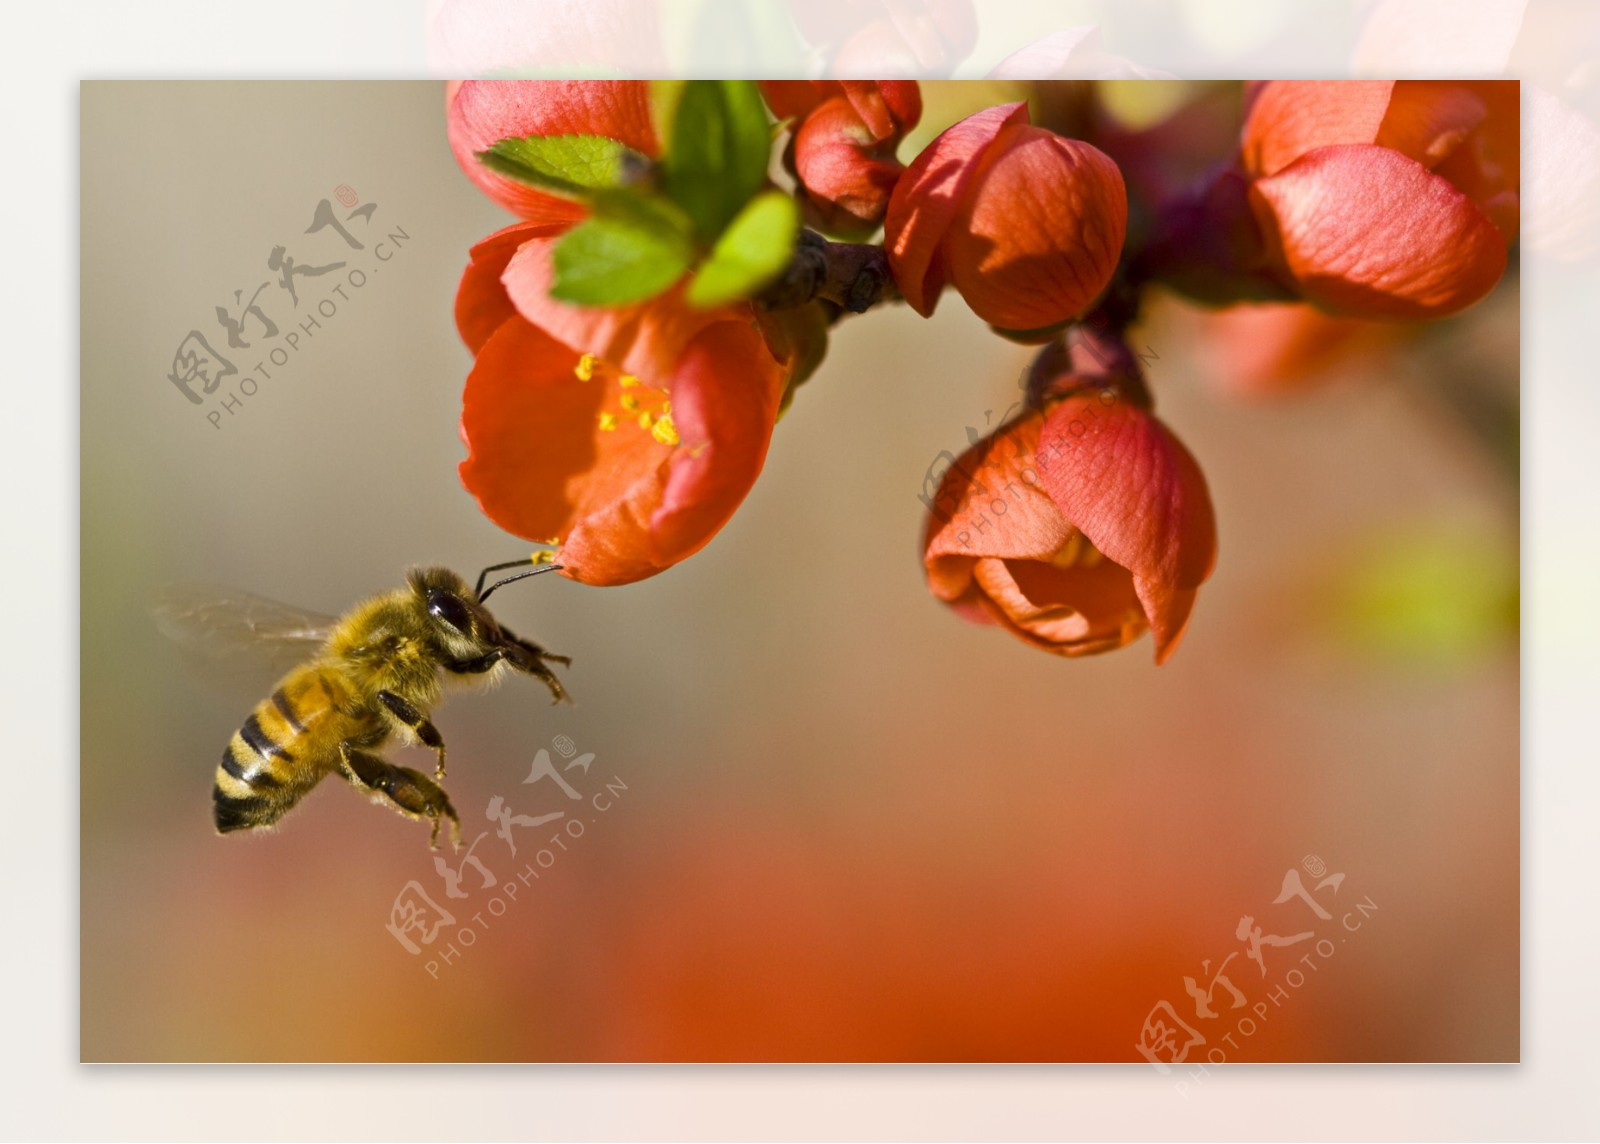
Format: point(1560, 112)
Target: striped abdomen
point(284, 748)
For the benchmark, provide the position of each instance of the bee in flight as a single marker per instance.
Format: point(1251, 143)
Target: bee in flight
point(361, 678)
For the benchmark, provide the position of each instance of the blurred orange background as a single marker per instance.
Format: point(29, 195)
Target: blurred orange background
point(853, 826)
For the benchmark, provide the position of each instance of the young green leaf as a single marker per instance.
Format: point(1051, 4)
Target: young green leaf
point(632, 249)
point(572, 165)
point(721, 144)
point(752, 252)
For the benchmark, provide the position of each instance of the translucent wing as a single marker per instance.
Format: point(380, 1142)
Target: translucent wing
point(248, 639)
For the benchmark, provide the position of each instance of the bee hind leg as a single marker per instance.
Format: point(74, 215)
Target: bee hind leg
point(404, 711)
point(410, 792)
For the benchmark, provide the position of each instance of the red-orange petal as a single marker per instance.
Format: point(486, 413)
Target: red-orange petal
point(529, 428)
point(1290, 117)
point(794, 98)
point(1122, 477)
point(480, 113)
point(928, 198)
point(725, 395)
point(1081, 610)
point(623, 504)
point(482, 304)
point(888, 107)
point(645, 338)
point(1039, 232)
point(989, 503)
point(991, 538)
point(1367, 232)
point(834, 157)
point(1428, 119)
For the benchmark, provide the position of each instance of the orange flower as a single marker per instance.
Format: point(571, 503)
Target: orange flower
point(1385, 199)
point(1075, 529)
point(480, 113)
point(627, 435)
point(1026, 224)
point(844, 144)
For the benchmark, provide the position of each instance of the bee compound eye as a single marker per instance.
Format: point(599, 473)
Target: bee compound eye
point(449, 609)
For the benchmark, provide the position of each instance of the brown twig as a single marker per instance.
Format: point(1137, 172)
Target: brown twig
point(852, 275)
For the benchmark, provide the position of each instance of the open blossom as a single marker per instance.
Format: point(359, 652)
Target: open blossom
point(845, 136)
point(1027, 225)
point(1076, 529)
point(480, 113)
point(626, 435)
point(1385, 198)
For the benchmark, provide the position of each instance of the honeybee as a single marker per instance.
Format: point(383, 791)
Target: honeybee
point(373, 673)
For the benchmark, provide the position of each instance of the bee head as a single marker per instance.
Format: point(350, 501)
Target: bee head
point(456, 613)
point(460, 623)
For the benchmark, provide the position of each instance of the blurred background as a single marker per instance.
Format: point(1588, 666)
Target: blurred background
point(842, 824)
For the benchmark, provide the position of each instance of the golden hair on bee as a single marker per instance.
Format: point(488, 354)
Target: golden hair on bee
point(374, 673)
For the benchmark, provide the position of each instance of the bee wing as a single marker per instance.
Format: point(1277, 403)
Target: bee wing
point(250, 639)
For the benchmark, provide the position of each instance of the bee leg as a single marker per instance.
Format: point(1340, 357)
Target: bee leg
point(532, 660)
point(412, 793)
point(418, 722)
point(476, 666)
point(547, 677)
point(526, 657)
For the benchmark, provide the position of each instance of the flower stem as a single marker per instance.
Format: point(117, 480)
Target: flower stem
point(852, 275)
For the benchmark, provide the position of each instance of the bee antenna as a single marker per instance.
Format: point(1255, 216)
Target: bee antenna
point(536, 558)
point(483, 594)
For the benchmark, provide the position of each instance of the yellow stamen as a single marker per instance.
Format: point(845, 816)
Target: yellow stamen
point(584, 370)
point(544, 557)
point(645, 421)
point(608, 422)
point(666, 408)
point(627, 381)
point(630, 403)
point(664, 431)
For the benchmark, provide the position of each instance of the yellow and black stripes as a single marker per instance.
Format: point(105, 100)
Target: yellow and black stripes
point(280, 703)
point(272, 760)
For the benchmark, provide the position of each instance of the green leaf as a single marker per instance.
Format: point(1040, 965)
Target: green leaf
point(632, 249)
point(572, 165)
point(721, 145)
point(754, 249)
point(664, 97)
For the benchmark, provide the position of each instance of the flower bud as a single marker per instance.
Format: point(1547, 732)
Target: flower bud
point(1026, 224)
point(844, 144)
point(1076, 529)
point(1385, 199)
